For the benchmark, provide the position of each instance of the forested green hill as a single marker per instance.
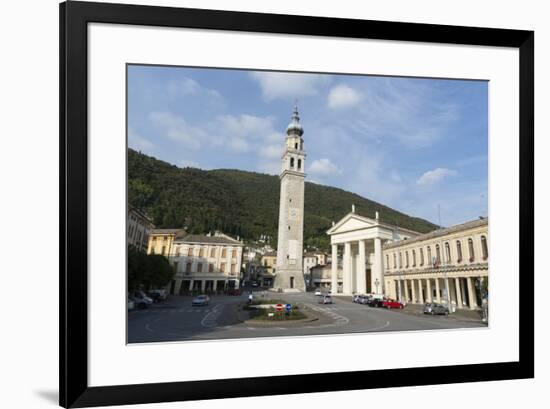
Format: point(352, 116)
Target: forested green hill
point(240, 203)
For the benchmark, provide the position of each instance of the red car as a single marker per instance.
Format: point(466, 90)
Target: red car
point(391, 304)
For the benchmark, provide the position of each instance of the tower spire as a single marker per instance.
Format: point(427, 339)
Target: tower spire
point(294, 127)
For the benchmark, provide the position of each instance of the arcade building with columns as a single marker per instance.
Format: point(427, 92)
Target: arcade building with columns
point(448, 265)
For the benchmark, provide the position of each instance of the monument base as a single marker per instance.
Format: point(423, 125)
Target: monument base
point(289, 281)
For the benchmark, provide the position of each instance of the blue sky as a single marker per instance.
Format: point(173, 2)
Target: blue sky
point(408, 143)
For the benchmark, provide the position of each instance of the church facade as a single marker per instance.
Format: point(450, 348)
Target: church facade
point(289, 270)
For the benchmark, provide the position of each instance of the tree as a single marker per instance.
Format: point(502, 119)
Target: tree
point(147, 271)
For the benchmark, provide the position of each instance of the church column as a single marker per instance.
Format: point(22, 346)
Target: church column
point(406, 291)
point(437, 292)
point(361, 269)
point(334, 277)
point(429, 295)
point(413, 291)
point(376, 272)
point(347, 268)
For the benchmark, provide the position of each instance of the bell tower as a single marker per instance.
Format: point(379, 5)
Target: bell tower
point(289, 274)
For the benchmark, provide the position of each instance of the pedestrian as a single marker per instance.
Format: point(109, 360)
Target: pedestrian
point(250, 297)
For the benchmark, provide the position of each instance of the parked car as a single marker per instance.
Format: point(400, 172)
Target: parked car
point(325, 299)
point(355, 297)
point(158, 294)
point(363, 299)
point(389, 303)
point(433, 309)
point(200, 300)
point(375, 302)
point(318, 293)
point(141, 300)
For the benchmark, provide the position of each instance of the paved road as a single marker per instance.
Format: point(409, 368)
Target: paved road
point(177, 320)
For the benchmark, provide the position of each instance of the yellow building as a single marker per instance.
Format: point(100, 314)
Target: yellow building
point(161, 240)
point(203, 263)
point(269, 261)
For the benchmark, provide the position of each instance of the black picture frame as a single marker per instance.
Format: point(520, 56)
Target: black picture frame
point(73, 349)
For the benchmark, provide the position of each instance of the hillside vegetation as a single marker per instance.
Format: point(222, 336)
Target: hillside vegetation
point(239, 203)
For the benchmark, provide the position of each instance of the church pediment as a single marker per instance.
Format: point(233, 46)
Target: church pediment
point(351, 222)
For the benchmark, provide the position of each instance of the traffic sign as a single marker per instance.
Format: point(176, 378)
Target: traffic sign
point(279, 307)
point(288, 307)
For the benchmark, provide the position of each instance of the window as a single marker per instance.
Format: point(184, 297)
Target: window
point(458, 251)
point(210, 267)
point(484, 248)
point(176, 266)
point(400, 260)
point(190, 252)
point(394, 260)
point(199, 267)
point(437, 254)
point(421, 251)
point(233, 268)
point(387, 261)
point(406, 259)
point(299, 164)
point(414, 258)
point(201, 252)
point(447, 252)
point(213, 252)
point(292, 163)
point(188, 268)
point(178, 251)
point(471, 250)
point(429, 255)
point(296, 145)
point(224, 253)
point(234, 254)
point(222, 267)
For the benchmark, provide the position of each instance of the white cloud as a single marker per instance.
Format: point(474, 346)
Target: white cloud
point(271, 151)
point(247, 126)
point(138, 142)
point(342, 96)
point(288, 85)
point(239, 144)
point(177, 129)
point(188, 86)
point(323, 167)
point(407, 111)
point(434, 176)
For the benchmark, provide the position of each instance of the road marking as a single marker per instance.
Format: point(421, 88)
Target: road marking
point(210, 319)
point(379, 328)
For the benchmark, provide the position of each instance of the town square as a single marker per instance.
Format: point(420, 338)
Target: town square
point(293, 265)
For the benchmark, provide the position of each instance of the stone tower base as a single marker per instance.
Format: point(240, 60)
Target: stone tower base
point(289, 281)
